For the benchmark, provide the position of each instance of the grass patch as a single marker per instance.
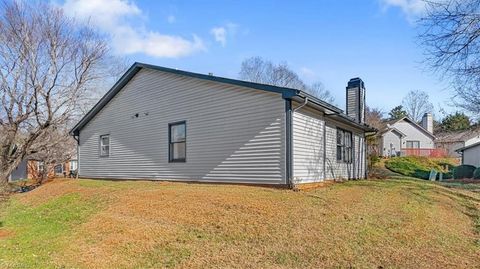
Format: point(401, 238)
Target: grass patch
point(365, 224)
point(420, 167)
point(38, 231)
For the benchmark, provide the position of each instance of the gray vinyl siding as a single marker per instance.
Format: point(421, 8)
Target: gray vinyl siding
point(20, 172)
point(392, 143)
point(234, 134)
point(411, 132)
point(414, 133)
point(471, 156)
point(314, 149)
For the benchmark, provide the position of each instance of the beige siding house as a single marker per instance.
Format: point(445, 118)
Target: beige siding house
point(163, 124)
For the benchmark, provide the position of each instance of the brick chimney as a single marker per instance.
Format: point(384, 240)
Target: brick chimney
point(427, 122)
point(356, 100)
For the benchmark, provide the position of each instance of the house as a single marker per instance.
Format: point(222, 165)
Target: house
point(165, 124)
point(34, 169)
point(470, 154)
point(452, 141)
point(404, 137)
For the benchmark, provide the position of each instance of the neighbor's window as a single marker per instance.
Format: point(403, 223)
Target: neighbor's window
point(177, 142)
point(104, 145)
point(41, 167)
point(344, 146)
point(413, 144)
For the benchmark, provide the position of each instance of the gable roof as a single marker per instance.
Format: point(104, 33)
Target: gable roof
point(468, 147)
point(461, 136)
point(390, 124)
point(286, 93)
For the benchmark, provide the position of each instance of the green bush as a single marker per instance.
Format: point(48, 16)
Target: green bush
point(420, 167)
point(463, 171)
point(476, 173)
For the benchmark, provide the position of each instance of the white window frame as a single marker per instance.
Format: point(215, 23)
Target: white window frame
point(102, 154)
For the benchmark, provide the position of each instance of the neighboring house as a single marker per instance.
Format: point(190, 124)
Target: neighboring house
point(404, 137)
point(453, 141)
point(470, 154)
point(165, 124)
point(34, 169)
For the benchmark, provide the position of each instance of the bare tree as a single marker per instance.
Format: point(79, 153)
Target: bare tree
point(258, 70)
point(450, 33)
point(55, 147)
point(375, 117)
point(48, 64)
point(318, 89)
point(416, 104)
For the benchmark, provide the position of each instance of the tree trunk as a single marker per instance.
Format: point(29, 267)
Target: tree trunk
point(3, 184)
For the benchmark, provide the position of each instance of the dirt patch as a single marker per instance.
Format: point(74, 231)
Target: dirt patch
point(4, 233)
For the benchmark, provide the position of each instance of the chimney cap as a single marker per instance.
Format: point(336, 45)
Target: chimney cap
point(355, 82)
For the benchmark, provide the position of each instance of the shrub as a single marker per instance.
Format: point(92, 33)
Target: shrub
point(420, 167)
point(476, 173)
point(463, 171)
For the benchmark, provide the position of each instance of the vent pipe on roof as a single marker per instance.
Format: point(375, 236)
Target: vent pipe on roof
point(356, 100)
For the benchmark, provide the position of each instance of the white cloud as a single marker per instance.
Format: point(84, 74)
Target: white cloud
point(411, 8)
point(123, 20)
point(171, 19)
point(221, 33)
point(307, 72)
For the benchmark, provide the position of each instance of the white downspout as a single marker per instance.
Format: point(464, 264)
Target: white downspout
point(302, 105)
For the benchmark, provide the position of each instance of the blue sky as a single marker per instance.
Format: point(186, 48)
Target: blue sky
point(325, 40)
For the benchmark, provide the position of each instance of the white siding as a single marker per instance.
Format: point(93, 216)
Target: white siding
point(314, 160)
point(341, 170)
point(234, 134)
point(308, 146)
point(471, 156)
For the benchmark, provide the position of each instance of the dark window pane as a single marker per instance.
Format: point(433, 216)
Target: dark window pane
point(339, 153)
point(339, 137)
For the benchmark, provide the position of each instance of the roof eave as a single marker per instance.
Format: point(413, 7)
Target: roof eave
point(131, 72)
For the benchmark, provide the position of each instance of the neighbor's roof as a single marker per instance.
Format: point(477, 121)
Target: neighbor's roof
point(462, 136)
point(390, 124)
point(468, 147)
point(286, 93)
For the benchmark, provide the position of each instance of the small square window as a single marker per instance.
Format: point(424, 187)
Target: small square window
point(104, 145)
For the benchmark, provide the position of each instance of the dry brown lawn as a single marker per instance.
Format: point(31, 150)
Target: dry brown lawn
point(127, 224)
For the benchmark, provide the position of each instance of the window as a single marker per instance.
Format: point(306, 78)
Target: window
point(41, 166)
point(73, 165)
point(413, 144)
point(104, 145)
point(59, 169)
point(177, 142)
point(344, 146)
